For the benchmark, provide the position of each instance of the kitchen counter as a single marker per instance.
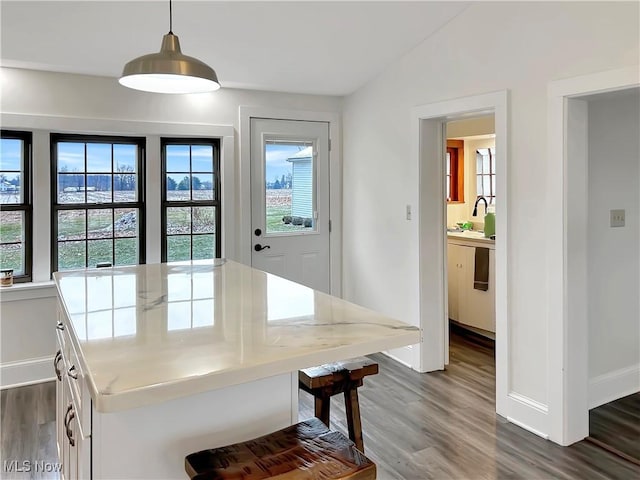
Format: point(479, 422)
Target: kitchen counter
point(158, 361)
point(470, 236)
point(149, 333)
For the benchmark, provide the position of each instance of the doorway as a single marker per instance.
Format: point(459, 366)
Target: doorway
point(429, 132)
point(568, 287)
point(290, 200)
point(470, 188)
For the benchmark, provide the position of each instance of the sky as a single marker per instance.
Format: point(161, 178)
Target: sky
point(276, 159)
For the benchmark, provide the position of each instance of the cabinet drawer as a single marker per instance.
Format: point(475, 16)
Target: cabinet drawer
point(79, 391)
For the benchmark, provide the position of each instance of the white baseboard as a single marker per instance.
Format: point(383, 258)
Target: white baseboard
point(403, 355)
point(26, 372)
point(613, 385)
point(528, 414)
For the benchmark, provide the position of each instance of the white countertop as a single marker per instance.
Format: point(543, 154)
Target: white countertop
point(470, 236)
point(149, 333)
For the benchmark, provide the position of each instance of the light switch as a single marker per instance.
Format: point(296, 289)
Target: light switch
point(617, 218)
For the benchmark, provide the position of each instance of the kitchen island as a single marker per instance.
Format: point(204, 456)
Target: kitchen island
point(158, 361)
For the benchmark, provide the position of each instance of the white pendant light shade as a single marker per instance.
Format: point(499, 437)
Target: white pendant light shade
point(169, 71)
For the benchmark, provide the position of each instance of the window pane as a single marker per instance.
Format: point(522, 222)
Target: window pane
point(10, 187)
point(178, 248)
point(12, 256)
point(479, 186)
point(11, 241)
point(178, 220)
point(71, 224)
point(448, 187)
point(126, 251)
point(125, 158)
point(125, 187)
point(486, 184)
point(201, 158)
point(493, 185)
point(493, 160)
point(71, 188)
point(478, 163)
point(70, 157)
point(204, 219)
point(485, 164)
point(100, 251)
point(100, 223)
point(202, 185)
point(178, 187)
point(99, 188)
point(71, 255)
point(178, 158)
point(11, 154)
point(289, 202)
point(204, 246)
point(98, 157)
point(126, 222)
point(11, 227)
point(448, 163)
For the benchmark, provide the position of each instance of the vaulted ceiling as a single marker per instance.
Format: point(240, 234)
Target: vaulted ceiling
point(328, 47)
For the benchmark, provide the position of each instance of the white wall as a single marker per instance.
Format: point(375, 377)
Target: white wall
point(613, 253)
point(26, 326)
point(489, 47)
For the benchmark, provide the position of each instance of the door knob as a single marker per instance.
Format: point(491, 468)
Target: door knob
point(258, 232)
point(259, 247)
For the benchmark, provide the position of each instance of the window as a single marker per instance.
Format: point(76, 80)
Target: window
point(190, 199)
point(97, 201)
point(15, 203)
point(455, 171)
point(486, 173)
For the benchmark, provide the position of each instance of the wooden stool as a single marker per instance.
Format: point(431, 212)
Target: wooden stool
point(307, 450)
point(341, 377)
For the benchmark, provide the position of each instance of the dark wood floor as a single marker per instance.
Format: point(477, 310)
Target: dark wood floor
point(443, 426)
point(617, 424)
point(416, 427)
point(28, 430)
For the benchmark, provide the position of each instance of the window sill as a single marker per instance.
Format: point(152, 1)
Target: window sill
point(27, 291)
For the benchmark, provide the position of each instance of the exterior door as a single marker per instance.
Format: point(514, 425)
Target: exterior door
point(290, 200)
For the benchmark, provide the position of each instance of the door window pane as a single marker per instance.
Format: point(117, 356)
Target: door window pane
point(289, 187)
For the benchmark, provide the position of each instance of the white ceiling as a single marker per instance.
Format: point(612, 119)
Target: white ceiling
point(304, 47)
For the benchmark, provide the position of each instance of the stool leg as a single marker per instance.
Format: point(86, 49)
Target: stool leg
point(322, 406)
point(352, 408)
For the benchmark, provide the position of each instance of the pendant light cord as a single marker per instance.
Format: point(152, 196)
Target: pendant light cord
point(170, 18)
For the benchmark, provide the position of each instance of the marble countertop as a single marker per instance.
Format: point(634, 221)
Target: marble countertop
point(149, 333)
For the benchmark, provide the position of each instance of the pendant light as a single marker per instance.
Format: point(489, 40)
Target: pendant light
point(169, 71)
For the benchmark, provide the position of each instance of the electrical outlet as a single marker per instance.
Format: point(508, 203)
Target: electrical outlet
point(617, 218)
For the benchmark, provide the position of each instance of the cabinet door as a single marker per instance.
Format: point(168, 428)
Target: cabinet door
point(453, 273)
point(479, 310)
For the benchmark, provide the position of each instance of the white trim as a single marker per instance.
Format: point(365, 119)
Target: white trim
point(243, 251)
point(529, 414)
point(403, 355)
point(26, 372)
point(566, 327)
point(614, 385)
point(432, 234)
point(28, 291)
point(116, 126)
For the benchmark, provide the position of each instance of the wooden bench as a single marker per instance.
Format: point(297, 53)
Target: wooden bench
point(307, 450)
point(340, 377)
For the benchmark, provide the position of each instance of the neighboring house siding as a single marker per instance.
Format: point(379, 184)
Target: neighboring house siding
point(302, 189)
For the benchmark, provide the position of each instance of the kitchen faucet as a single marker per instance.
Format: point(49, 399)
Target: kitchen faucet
point(475, 206)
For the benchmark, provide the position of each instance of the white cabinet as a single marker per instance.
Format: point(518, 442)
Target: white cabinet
point(468, 306)
point(74, 449)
